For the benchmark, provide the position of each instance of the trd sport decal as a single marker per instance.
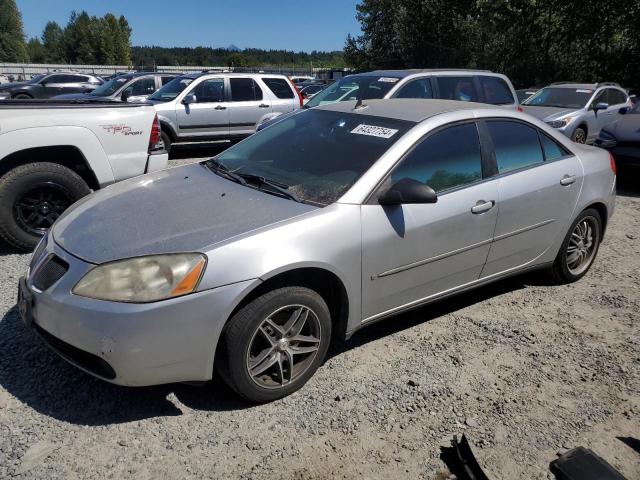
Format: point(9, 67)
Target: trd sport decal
point(121, 129)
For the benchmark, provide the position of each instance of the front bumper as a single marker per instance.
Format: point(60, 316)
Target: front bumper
point(141, 344)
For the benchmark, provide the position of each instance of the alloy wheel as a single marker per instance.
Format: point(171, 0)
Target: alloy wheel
point(580, 136)
point(39, 207)
point(582, 245)
point(284, 346)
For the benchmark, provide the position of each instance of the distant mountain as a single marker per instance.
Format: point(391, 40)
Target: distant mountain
point(233, 48)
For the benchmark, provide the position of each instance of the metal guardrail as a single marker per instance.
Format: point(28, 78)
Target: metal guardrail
point(24, 71)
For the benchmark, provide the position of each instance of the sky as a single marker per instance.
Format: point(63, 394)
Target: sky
point(267, 24)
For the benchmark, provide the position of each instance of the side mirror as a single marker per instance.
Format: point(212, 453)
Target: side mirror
point(601, 106)
point(190, 98)
point(408, 190)
point(624, 110)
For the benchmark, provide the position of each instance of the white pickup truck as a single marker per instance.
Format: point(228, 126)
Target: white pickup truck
point(52, 153)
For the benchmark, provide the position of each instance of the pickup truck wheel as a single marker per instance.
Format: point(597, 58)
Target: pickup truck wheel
point(275, 343)
point(166, 139)
point(32, 197)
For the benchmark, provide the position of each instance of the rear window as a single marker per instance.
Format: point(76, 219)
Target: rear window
point(245, 90)
point(516, 145)
point(279, 86)
point(457, 88)
point(495, 90)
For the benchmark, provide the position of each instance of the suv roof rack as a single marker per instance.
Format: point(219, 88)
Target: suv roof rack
point(608, 84)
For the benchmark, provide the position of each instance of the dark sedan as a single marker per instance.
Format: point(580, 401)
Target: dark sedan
point(129, 87)
point(50, 84)
point(622, 138)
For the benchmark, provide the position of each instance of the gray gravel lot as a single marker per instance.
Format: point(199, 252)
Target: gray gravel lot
point(525, 369)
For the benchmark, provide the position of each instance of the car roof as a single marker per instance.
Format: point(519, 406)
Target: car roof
point(409, 109)
point(406, 73)
point(231, 74)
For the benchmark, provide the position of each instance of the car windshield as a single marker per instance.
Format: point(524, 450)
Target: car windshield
point(354, 87)
point(560, 97)
point(316, 155)
point(110, 87)
point(172, 89)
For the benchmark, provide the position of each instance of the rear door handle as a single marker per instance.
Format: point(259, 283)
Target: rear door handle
point(481, 206)
point(567, 180)
point(220, 107)
point(263, 105)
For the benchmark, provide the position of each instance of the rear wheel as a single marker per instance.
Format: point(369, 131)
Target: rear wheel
point(23, 96)
point(579, 249)
point(274, 344)
point(579, 135)
point(166, 139)
point(32, 197)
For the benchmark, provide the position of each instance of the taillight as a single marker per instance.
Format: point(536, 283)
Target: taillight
point(614, 169)
point(154, 137)
point(295, 87)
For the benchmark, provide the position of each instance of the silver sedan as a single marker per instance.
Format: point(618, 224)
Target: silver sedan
point(332, 219)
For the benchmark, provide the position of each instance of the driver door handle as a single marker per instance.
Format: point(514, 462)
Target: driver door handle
point(263, 105)
point(567, 180)
point(220, 107)
point(481, 206)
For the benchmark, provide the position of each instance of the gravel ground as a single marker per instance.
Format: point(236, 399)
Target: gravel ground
point(526, 370)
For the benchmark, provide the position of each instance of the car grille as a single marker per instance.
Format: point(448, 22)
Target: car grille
point(49, 273)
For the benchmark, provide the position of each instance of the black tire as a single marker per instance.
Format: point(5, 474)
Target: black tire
point(166, 139)
point(579, 135)
point(23, 96)
point(560, 270)
point(60, 187)
point(239, 336)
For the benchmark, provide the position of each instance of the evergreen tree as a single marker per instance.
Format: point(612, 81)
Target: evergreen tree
point(53, 43)
point(35, 51)
point(12, 46)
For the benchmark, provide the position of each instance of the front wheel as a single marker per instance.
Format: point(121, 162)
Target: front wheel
point(32, 197)
point(275, 343)
point(579, 249)
point(579, 135)
point(23, 96)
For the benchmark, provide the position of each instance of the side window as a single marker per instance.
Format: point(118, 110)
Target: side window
point(75, 79)
point(616, 97)
point(209, 91)
point(457, 88)
point(552, 150)
point(420, 88)
point(56, 79)
point(495, 90)
point(245, 90)
point(516, 145)
point(447, 159)
point(279, 86)
point(143, 86)
point(601, 97)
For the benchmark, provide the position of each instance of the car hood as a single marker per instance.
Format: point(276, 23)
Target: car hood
point(627, 129)
point(183, 209)
point(547, 113)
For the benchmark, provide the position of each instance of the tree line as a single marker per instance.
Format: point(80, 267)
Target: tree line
point(233, 57)
point(533, 42)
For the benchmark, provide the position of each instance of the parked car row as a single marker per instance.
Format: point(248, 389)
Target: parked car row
point(49, 85)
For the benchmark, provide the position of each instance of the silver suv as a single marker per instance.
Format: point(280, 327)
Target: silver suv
point(203, 107)
point(578, 110)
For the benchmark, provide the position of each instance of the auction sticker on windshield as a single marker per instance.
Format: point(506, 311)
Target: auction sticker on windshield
point(388, 79)
point(374, 131)
point(584, 91)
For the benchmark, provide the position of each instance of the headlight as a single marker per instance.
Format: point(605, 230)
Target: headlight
point(559, 123)
point(143, 279)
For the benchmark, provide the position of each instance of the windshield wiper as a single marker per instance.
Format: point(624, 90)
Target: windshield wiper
point(219, 169)
point(278, 188)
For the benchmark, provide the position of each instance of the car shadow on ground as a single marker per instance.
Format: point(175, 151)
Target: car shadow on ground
point(40, 379)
